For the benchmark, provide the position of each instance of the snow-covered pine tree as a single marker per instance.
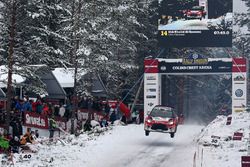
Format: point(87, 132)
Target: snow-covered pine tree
point(47, 42)
point(241, 38)
point(14, 45)
point(108, 35)
point(26, 37)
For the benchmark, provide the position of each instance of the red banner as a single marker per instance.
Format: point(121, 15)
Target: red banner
point(239, 64)
point(35, 120)
point(61, 122)
point(84, 114)
point(41, 121)
point(151, 66)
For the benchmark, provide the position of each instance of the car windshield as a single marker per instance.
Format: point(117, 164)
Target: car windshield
point(161, 112)
point(197, 8)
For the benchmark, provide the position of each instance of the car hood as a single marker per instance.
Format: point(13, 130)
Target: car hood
point(160, 119)
point(194, 11)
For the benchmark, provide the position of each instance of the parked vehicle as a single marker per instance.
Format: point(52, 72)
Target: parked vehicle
point(161, 119)
point(196, 12)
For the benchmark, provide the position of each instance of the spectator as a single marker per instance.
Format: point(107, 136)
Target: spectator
point(15, 144)
point(87, 126)
point(52, 127)
point(27, 137)
point(56, 110)
point(27, 105)
point(39, 106)
point(13, 102)
point(4, 144)
point(33, 105)
point(45, 109)
point(19, 105)
point(36, 133)
point(124, 119)
point(104, 122)
point(107, 107)
point(112, 117)
point(16, 128)
point(62, 111)
point(141, 115)
point(51, 110)
point(133, 115)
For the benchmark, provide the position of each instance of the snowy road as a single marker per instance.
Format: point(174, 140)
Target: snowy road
point(127, 146)
point(123, 146)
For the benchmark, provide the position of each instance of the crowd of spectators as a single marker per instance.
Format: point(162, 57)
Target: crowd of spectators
point(63, 109)
point(108, 110)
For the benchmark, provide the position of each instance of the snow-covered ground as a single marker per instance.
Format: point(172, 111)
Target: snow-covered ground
point(194, 24)
point(224, 151)
point(120, 146)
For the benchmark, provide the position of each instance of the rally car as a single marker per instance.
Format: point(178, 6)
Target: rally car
point(196, 12)
point(161, 119)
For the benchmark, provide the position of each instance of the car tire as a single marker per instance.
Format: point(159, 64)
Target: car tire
point(175, 129)
point(146, 132)
point(172, 135)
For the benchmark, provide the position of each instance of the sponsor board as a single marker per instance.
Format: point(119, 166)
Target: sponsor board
point(239, 106)
point(150, 78)
point(151, 90)
point(195, 66)
point(151, 84)
point(36, 120)
point(238, 110)
point(239, 93)
point(41, 121)
point(239, 85)
point(150, 104)
point(239, 78)
point(151, 96)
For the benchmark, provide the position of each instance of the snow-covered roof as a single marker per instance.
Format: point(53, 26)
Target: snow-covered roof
point(65, 77)
point(4, 77)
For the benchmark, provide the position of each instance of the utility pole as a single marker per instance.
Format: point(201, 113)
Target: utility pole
point(137, 95)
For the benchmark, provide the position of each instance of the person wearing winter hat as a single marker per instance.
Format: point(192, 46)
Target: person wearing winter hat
point(52, 127)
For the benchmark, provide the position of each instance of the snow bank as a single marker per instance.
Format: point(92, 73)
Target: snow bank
point(217, 144)
point(65, 148)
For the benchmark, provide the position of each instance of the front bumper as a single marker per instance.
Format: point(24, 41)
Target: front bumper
point(166, 129)
point(194, 17)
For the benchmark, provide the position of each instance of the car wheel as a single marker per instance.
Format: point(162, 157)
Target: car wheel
point(175, 129)
point(146, 132)
point(172, 135)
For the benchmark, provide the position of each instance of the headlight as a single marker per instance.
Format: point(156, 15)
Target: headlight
point(149, 120)
point(171, 122)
